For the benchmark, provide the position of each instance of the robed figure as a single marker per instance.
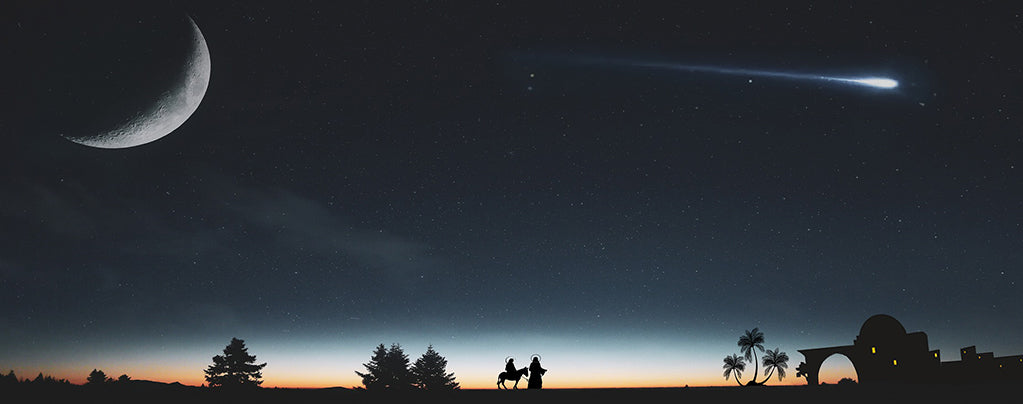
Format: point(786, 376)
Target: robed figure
point(536, 374)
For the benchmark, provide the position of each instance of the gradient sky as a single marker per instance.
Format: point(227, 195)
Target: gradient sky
point(463, 175)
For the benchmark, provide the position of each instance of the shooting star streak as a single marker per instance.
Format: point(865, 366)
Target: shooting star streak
point(875, 82)
point(883, 83)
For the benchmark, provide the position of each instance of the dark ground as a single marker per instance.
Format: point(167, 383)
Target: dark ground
point(770, 394)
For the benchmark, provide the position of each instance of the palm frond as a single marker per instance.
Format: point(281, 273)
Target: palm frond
point(734, 362)
point(776, 361)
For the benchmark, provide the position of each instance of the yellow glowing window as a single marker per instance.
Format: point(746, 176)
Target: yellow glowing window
point(978, 356)
point(873, 349)
point(895, 362)
point(935, 354)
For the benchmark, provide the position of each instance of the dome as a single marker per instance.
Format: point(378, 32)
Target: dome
point(881, 326)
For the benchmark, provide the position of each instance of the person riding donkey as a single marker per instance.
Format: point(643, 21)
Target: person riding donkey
point(510, 373)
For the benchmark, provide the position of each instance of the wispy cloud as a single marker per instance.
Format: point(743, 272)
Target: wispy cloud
point(299, 223)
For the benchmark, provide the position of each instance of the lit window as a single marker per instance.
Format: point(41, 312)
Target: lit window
point(895, 362)
point(873, 350)
point(935, 354)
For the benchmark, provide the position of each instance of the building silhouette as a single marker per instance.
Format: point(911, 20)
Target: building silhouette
point(884, 353)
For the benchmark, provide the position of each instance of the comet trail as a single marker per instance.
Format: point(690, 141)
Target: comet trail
point(883, 83)
point(875, 82)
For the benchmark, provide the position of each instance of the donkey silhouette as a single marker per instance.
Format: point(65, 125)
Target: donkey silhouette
point(516, 376)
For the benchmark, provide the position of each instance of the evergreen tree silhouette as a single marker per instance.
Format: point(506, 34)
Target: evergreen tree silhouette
point(9, 380)
point(235, 368)
point(374, 375)
point(47, 381)
point(430, 372)
point(96, 378)
point(387, 369)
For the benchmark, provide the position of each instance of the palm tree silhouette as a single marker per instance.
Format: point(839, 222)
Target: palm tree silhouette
point(748, 344)
point(775, 360)
point(734, 363)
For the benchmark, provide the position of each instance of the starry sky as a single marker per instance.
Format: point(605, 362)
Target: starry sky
point(503, 179)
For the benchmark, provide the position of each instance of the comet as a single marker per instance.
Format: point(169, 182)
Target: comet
point(878, 82)
point(881, 83)
point(874, 82)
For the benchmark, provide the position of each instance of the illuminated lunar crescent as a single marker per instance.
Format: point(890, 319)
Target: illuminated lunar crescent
point(167, 111)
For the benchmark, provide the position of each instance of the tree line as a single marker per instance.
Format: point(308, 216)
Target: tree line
point(387, 369)
point(96, 378)
point(236, 369)
point(390, 369)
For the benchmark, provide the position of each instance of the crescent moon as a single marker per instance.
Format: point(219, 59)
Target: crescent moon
point(168, 111)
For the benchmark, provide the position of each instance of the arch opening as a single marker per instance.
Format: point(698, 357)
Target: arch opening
point(836, 367)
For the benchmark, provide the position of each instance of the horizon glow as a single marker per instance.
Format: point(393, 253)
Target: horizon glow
point(572, 362)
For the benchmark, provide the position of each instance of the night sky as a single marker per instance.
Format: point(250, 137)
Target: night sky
point(511, 178)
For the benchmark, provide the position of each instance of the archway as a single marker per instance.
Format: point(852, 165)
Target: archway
point(816, 357)
point(883, 352)
point(835, 368)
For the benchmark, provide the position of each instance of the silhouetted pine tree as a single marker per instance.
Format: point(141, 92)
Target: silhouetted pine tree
point(9, 380)
point(430, 372)
point(388, 369)
point(96, 378)
point(46, 381)
point(374, 373)
point(235, 368)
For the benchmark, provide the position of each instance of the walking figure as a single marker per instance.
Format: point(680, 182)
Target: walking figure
point(536, 379)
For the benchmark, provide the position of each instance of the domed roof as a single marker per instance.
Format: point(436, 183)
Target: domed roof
point(881, 326)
